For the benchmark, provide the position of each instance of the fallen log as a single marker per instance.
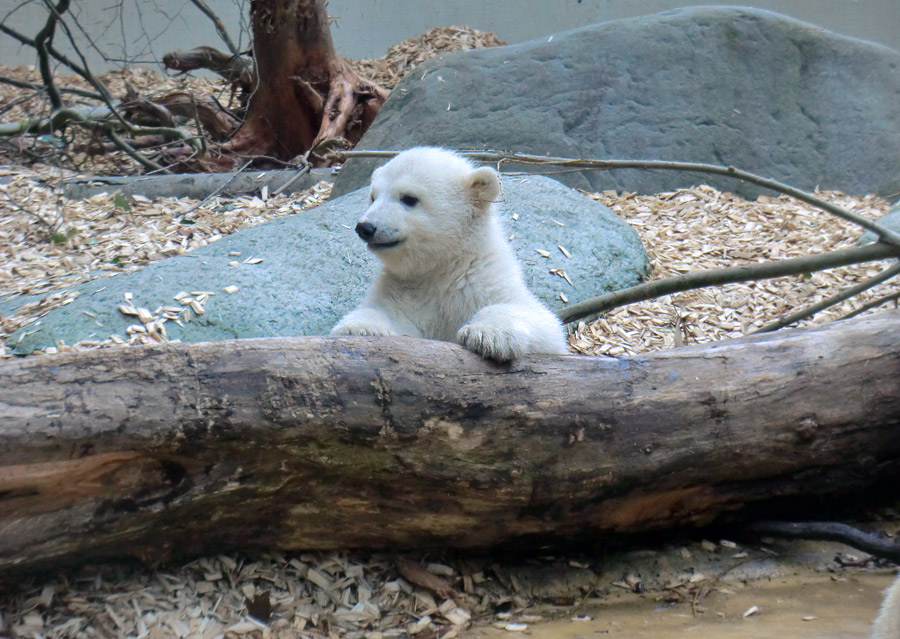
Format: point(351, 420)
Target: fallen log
point(372, 442)
point(194, 185)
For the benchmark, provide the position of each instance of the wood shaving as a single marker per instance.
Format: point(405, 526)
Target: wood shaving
point(406, 56)
point(48, 244)
point(684, 230)
point(102, 239)
point(311, 595)
point(703, 228)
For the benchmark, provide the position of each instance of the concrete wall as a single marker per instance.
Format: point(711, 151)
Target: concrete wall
point(365, 28)
point(143, 30)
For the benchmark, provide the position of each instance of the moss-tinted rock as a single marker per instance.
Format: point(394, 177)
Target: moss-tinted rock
point(315, 269)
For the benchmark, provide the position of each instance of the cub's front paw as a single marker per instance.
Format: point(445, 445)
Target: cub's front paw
point(362, 328)
point(491, 342)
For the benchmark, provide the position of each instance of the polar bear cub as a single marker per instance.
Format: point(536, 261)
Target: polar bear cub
point(447, 271)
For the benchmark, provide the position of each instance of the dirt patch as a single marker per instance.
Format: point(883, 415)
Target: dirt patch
point(795, 607)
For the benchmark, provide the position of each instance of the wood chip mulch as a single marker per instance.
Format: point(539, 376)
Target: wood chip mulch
point(702, 228)
point(48, 244)
point(406, 56)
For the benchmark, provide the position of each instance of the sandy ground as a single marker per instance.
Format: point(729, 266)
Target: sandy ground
point(807, 606)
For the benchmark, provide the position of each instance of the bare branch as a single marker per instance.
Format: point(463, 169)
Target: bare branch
point(220, 27)
point(233, 68)
point(96, 117)
point(874, 544)
point(884, 234)
point(828, 302)
point(719, 276)
point(41, 42)
point(134, 155)
point(218, 122)
point(57, 121)
point(86, 71)
point(22, 84)
point(59, 57)
point(885, 299)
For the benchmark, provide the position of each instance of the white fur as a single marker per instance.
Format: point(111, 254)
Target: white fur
point(451, 275)
point(887, 624)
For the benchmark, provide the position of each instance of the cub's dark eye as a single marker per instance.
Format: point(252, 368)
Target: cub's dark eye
point(409, 200)
point(371, 197)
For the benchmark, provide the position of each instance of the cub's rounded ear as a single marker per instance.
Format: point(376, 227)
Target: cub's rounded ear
point(483, 186)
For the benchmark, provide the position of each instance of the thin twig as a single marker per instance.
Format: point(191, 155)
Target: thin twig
point(22, 84)
point(303, 170)
point(892, 297)
point(718, 276)
point(52, 226)
point(134, 155)
point(41, 43)
point(200, 136)
point(217, 190)
point(884, 234)
point(828, 302)
point(220, 26)
point(59, 57)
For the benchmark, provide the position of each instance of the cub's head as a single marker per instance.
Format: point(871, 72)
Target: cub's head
point(425, 204)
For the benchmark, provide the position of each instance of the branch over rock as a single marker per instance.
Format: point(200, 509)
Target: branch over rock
point(371, 442)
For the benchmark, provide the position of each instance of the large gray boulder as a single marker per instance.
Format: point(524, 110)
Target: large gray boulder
point(315, 269)
point(724, 85)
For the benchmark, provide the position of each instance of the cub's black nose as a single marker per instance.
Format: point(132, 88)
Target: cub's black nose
point(365, 230)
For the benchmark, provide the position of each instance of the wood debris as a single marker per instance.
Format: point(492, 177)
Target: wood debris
point(107, 240)
point(406, 56)
point(702, 228)
point(684, 230)
point(48, 244)
point(309, 596)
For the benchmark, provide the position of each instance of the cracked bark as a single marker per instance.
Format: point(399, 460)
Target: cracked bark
point(305, 94)
point(308, 443)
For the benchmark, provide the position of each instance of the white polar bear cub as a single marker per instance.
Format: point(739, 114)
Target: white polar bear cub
point(448, 273)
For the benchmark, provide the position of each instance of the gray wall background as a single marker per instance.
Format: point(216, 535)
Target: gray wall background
point(143, 30)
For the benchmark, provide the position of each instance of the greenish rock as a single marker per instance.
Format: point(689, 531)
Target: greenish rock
point(891, 220)
point(314, 270)
point(722, 85)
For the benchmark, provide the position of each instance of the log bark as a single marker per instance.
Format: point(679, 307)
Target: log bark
point(373, 442)
point(197, 186)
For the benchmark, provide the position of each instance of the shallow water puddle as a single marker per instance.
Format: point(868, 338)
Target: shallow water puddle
point(800, 607)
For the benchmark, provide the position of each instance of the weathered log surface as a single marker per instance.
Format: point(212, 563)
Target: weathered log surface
point(193, 185)
point(338, 443)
